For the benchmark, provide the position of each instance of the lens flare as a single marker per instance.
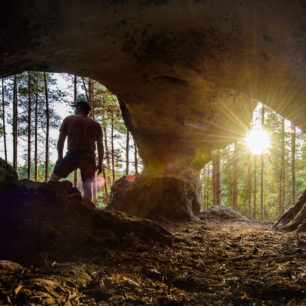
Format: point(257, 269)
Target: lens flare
point(100, 181)
point(258, 141)
point(130, 178)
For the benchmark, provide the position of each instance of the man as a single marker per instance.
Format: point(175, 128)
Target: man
point(83, 132)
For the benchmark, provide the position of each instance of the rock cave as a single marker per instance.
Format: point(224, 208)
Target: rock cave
point(188, 75)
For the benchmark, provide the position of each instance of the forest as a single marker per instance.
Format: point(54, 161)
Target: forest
point(58, 251)
point(201, 197)
point(259, 184)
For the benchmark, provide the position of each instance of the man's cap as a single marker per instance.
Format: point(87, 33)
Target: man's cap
point(82, 104)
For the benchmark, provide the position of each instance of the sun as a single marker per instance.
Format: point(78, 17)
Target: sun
point(258, 141)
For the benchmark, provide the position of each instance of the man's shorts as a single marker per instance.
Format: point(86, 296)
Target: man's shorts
point(75, 159)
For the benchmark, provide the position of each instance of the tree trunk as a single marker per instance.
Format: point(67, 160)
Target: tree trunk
point(15, 125)
point(91, 85)
point(135, 159)
point(36, 134)
point(207, 186)
point(280, 191)
point(204, 187)
point(214, 182)
point(105, 183)
point(218, 174)
point(295, 217)
point(235, 177)
point(107, 155)
point(75, 174)
point(282, 171)
point(75, 91)
point(85, 89)
point(127, 149)
point(255, 188)
point(29, 126)
point(106, 147)
point(47, 128)
point(284, 178)
point(3, 122)
point(249, 188)
point(106, 171)
point(293, 136)
point(113, 151)
point(262, 170)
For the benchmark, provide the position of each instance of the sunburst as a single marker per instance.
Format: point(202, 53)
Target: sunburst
point(258, 141)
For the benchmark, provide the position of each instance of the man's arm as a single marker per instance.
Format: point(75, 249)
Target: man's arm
point(100, 154)
point(60, 144)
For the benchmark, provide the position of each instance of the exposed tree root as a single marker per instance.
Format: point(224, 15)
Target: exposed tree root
point(295, 217)
point(41, 218)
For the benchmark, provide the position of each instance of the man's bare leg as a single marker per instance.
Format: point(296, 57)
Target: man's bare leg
point(87, 190)
point(54, 178)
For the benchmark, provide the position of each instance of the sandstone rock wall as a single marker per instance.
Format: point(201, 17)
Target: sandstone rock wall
point(189, 73)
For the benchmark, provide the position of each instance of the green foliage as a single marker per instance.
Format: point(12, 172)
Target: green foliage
point(271, 170)
point(106, 111)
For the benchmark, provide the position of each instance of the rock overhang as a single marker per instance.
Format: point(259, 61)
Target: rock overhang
point(189, 73)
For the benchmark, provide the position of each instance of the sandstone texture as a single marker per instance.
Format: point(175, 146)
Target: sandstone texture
point(186, 70)
point(221, 212)
point(40, 218)
point(8, 177)
point(188, 73)
point(157, 197)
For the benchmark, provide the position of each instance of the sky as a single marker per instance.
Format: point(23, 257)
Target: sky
point(62, 109)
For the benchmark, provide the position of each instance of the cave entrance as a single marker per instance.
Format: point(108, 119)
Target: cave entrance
point(258, 181)
point(33, 106)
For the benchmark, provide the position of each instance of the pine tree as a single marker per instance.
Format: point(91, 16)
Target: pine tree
point(249, 187)
point(107, 154)
point(127, 150)
point(218, 174)
point(85, 89)
point(3, 120)
point(293, 145)
point(208, 184)
point(216, 180)
point(135, 159)
point(47, 129)
point(262, 170)
point(282, 171)
point(15, 124)
point(235, 193)
point(75, 94)
point(91, 86)
point(108, 115)
point(36, 131)
point(112, 145)
point(255, 188)
point(29, 126)
point(36, 117)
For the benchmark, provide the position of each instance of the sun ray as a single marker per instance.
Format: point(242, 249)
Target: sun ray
point(258, 141)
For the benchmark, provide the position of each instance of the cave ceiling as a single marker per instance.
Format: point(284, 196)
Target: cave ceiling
point(188, 73)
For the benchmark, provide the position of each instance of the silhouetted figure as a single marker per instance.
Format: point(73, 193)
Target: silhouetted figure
point(83, 133)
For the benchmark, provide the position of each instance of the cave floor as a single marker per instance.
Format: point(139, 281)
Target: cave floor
point(212, 262)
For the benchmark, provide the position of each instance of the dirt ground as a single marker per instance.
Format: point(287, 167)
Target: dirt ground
point(210, 263)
